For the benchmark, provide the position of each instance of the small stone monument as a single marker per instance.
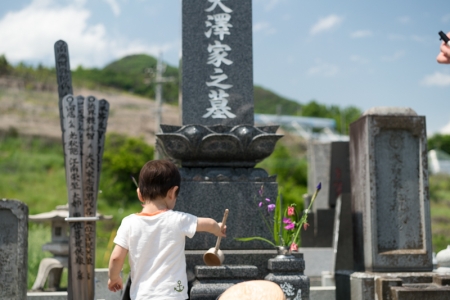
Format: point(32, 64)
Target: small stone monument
point(13, 249)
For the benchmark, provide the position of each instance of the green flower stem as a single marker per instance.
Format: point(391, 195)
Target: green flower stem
point(305, 216)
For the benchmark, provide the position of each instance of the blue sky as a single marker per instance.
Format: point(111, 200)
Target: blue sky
point(381, 53)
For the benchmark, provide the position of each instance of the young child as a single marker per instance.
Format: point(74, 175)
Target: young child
point(154, 239)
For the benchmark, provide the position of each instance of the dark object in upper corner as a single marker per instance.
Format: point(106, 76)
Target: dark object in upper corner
point(444, 37)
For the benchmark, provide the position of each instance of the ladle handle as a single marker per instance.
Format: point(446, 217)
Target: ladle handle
point(224, 221)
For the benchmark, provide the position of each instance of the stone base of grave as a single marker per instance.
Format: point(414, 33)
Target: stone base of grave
point(207, 192)
point(287, 272)
point(399, 286)
point(101, 290)
point(342, 280)
point(212, 281)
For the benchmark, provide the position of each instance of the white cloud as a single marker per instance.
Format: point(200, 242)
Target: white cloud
point(323, 69)
point(404, 19)
point(263, 27)
point(436, 79)
point(361, 34)
point(396, 37)
point(394, 57)
point(325, 24)
point(114, 6)
point(359, 59)
point(268, 4)
point(31, 33)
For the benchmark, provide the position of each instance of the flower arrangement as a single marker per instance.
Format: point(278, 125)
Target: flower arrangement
point(283, 223)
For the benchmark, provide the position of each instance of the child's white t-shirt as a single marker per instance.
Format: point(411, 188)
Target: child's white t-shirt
point(156, 255)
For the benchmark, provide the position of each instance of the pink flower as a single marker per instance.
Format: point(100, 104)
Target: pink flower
point(289, 226)
point(267, 199)
point(287, 221)
point(260, 204)
point(270, 207)
point(291, 211)
point(294, 247)
point(305, 226)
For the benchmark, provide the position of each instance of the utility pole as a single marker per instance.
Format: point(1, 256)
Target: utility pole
point(158, 80)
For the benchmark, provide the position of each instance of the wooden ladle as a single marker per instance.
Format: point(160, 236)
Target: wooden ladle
point(215, 256)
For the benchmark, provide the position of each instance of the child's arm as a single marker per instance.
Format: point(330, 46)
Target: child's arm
point(211, 226)
point(115, 266)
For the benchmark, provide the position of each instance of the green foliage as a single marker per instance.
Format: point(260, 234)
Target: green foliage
point(123, 158)
point(439, 141)
point(5, 67)
point(291, 174)
point(342, 116)
point(267, 102)
point(439, 186)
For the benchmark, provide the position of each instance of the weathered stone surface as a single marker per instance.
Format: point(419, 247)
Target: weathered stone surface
point(209, 197)
point(343, 234)
point(217, 91)
point(287, 272)
point(390, 201)
point(213, 281)
point(383, 287)
point(13, 249)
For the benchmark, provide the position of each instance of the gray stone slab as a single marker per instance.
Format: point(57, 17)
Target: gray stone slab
point(319, 159)
point(343, 235)
point(13, 249)
point(362, 286)
point(217, 68)
point(383, 287)
point(390, 201)
point(322, 293)
point(420, 293)
point(47, 296)
point(226, 272)
point(339, 171)
point(101, 286)
point(208, 192)
point(342, 280)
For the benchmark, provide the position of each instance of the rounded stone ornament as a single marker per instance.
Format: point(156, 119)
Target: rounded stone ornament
point(443, 261)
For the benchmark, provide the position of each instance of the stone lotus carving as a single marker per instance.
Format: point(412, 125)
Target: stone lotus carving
point(218, 145)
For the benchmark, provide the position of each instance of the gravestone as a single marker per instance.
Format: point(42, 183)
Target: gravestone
point(13, 249)
point(218, 145)
point(328, 163)
point(217, 64)
point(390, 201)
point(390, 206)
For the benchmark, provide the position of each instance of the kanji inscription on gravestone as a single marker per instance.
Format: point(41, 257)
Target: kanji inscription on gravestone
point(217, 68)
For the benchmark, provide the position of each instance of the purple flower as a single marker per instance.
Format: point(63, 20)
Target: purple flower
point(260, 204)
point(261, 190)
point(267, 199)
point(289, 226)
point(319, 186)
point(270, 207)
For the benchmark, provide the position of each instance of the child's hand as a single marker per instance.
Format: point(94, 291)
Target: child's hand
point(115, 285)
point(223, 232)
point(444, 55)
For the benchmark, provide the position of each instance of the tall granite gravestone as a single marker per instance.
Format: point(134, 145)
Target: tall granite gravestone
point(83, 125)
point(13, 249)
point(328, 163)
point(218, 144)
point(391, 209)
point(217, 68)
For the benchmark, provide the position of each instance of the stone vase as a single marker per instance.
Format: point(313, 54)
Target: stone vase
point(286, 270)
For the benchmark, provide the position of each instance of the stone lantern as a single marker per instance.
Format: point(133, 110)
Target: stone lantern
point(52, 268)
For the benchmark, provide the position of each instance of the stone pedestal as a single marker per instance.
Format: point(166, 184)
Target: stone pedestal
point(399, 286)
point(212, 281)
point(287, 271)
